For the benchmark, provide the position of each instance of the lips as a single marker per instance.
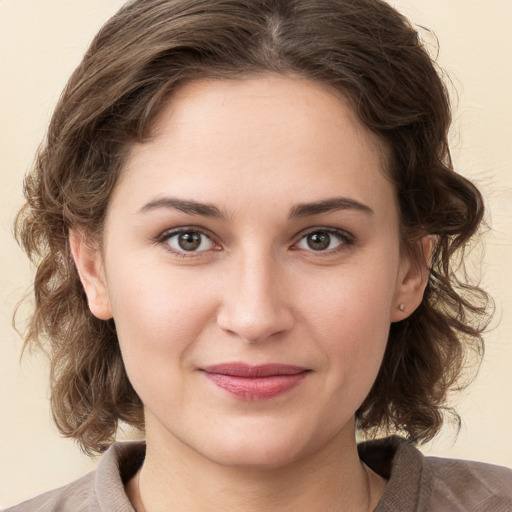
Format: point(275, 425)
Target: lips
point(254, 383)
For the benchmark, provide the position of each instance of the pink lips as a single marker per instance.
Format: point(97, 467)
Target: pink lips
point(255, 383)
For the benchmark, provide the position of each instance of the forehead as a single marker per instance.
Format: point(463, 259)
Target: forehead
point(271, 135)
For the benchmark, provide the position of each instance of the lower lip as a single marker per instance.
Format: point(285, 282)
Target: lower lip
point(256, 388)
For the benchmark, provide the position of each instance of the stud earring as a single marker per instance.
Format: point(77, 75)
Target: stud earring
point(401, 306)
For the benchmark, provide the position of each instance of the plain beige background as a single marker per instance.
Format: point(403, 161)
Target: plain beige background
point(40, 44)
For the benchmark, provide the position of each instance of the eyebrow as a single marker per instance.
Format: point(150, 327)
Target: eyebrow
point(190, 207)
point(301, 210)
point(328, 206)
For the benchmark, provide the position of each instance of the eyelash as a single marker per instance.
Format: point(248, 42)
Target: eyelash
point(346, 240)
point(167, 235)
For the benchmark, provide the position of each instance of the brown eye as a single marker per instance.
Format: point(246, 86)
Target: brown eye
point(319, 240)
point(324, 240)
point(189, 241)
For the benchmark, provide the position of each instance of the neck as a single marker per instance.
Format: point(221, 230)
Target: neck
point(333, 479)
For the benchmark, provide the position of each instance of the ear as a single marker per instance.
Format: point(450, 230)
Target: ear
point(89, 263)
point(412, 281)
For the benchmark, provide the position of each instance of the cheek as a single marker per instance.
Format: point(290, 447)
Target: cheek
point(159, 318)
point(353, 299)
point(350, 318)
point(158, 314)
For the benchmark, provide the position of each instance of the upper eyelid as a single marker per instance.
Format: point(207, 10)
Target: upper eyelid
point(337, 231)
point(168, 233)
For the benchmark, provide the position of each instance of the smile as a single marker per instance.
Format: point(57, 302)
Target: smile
point(255, 383)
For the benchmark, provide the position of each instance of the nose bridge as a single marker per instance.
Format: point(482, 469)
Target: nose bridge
point(255, 303)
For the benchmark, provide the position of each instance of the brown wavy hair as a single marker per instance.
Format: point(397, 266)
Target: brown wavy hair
point(363, 48)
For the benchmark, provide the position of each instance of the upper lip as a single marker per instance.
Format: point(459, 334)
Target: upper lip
point(248, 370)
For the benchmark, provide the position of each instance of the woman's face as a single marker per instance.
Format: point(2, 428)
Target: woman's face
point(251, 264)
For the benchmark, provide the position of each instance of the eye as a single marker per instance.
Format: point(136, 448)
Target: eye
point(188, 241)
point(323, 240)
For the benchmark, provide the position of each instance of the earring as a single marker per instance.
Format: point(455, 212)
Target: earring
point(401, 306)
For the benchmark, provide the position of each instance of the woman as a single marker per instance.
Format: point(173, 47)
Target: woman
point(246, 221)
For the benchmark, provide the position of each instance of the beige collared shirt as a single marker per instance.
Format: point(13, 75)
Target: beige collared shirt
point(416, 483)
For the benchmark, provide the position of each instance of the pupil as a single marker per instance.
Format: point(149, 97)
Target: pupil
point(319, 240)
point(189, 241)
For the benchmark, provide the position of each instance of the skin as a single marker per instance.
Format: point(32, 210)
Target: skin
point(254, 291)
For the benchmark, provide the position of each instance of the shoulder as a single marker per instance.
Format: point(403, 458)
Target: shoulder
point(100, 490)
point(433, 484)
point(466, 485)
point(75, 496)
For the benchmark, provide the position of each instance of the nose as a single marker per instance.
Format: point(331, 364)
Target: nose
point(256, 303)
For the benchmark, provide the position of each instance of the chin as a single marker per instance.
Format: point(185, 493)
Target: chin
point(256, 457)
point(261, 449)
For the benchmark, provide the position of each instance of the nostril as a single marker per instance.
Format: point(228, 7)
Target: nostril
point(252, 325)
